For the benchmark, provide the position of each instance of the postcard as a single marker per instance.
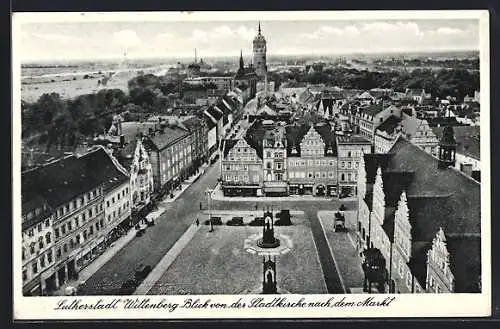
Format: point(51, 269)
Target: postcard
point(187, 165)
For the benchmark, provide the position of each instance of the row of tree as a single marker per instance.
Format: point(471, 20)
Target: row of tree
point(61, 123)
point(442, 83)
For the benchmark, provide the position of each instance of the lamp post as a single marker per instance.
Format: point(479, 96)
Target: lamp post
point(209, 194)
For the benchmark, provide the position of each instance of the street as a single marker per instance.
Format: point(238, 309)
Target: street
point(180, 214)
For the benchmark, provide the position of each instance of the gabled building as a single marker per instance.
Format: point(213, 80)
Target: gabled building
point(424, 216)
point(312, 160)
point(366, 119)
point(412, 128)
point(241, 169)
point(417, 95)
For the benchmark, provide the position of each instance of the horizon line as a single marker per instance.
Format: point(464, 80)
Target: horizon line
point(186, 56)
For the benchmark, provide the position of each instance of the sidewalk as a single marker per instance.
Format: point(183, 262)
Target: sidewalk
point(166, 261)
point(218, 195)
point(102, 259)
point(343, 248)
point(185, 184)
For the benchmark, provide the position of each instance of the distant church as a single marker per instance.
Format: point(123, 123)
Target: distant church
point(246, 77)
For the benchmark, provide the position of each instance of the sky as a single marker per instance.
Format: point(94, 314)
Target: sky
point(175, 39)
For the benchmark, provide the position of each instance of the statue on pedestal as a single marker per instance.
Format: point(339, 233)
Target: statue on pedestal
point(268, 239)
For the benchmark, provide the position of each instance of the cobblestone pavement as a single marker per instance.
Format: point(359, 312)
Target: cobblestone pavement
point(343, 247)
point(159, 239)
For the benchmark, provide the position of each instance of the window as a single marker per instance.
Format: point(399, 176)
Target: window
point(40, 227)
point(25, 275)
point(349, 165)
point(34, 267)
point(49, 257)
point(30, 232)
point(47, 223)
point(91, 230)
point(74, 204)
point(42, 262)
point(269, 165)
point(342, 177)
point(70, 227)
point(90, 212)
point(331, 163)
point(65, 248)
point(56, 231)
point(77, 222)
point(47, 237)
point(330, 174)
point(342, 164)
point(58, 253)
point(349, 154)
point(83, 217)
point(67, 208)
point(310, 175)
point(107, 203)
point(78, 239)
point(63, 229)
point(349, 177)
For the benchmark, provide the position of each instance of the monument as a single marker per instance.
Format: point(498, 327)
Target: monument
point(269, 280)
point(268, 239)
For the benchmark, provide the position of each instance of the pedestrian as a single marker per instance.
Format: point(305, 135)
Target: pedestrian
point(197, 222)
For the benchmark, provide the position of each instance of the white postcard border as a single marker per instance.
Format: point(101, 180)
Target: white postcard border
point(408, 305)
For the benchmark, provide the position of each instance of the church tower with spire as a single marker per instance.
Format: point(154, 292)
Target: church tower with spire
point(259, 54)
point(447, 148)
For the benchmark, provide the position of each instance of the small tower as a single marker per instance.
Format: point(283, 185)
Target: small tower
point(447, 148)
point(242, 64)
point(269, 279)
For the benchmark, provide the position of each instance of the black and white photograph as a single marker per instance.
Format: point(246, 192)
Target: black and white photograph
point(165, 162)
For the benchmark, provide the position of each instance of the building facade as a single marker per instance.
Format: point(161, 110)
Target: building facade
point(274, 162)
point(350, 149)
point(241, 169)
point(424, 217)
point(74, 228)
point(312, 162)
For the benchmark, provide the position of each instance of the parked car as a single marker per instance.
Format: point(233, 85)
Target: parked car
point(141, 272)
point(236, 221)
point(339, 224)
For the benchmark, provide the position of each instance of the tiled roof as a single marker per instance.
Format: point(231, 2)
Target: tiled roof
point(353, 139)
point(228, 144)
point(464, 192)
point(166, 137)
point(61, 181)
point(372, 162)
point(294, 134)
point(389, 125)
point(217, 115)
point(373, 109)
point(467, 138)
point(245, 73)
